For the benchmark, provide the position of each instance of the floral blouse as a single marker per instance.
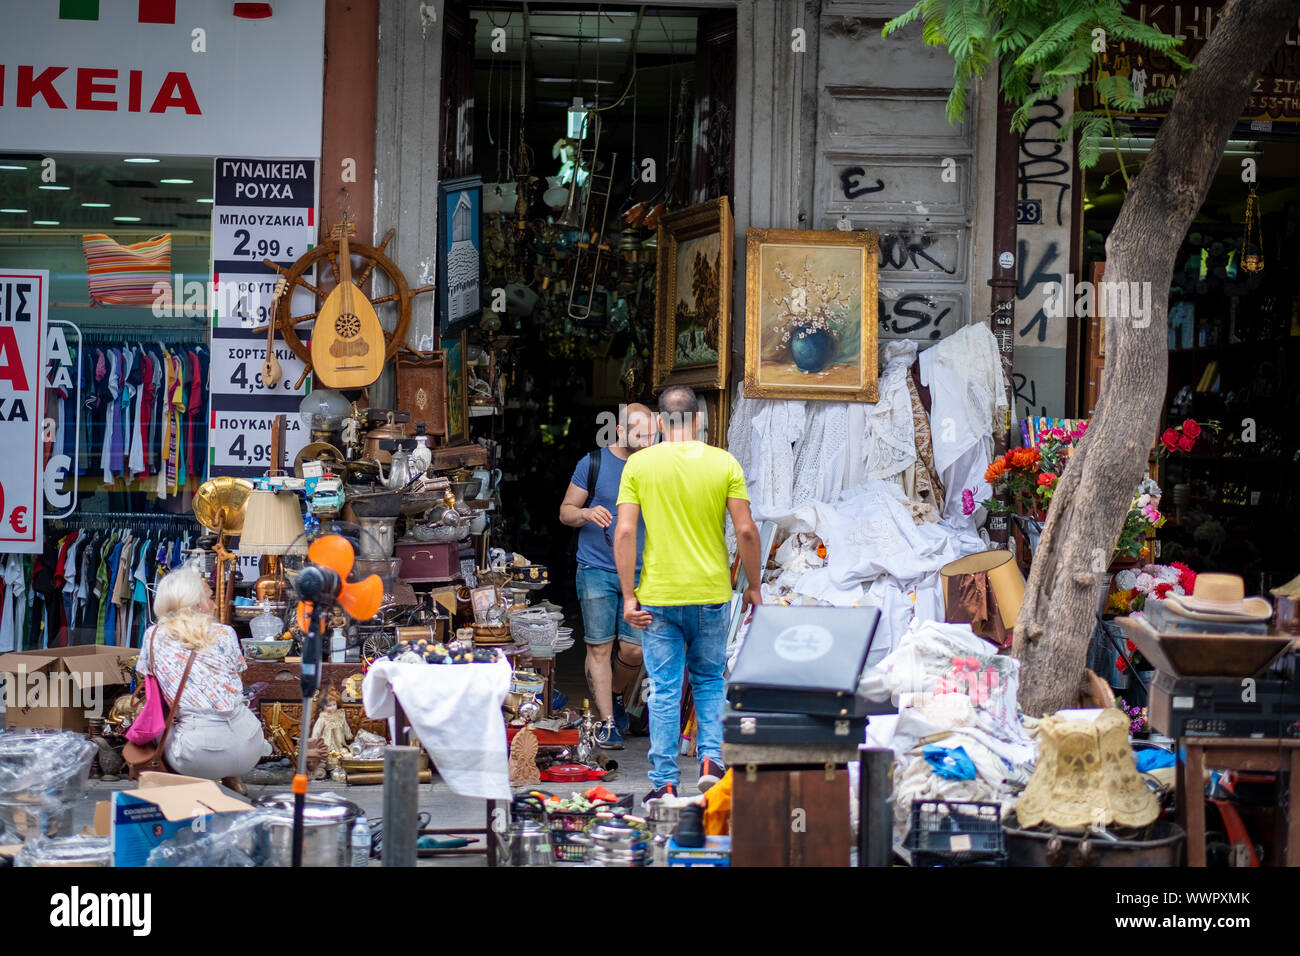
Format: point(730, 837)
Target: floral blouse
point(214, 683)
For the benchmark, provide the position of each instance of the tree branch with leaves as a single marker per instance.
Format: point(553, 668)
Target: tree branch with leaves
point(1041, 49)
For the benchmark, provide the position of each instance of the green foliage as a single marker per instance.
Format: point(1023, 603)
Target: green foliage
point(1042, 49)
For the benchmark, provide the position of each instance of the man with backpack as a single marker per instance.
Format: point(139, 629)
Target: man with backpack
point(613, 647)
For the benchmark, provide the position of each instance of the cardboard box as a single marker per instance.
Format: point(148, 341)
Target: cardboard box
point(138, 820)
point(61, 688)
point(715, 852)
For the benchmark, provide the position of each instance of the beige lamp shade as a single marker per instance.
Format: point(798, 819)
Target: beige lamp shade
point(272, 524)
point(984, 590)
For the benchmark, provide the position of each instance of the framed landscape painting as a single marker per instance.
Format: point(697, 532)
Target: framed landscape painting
point(693, 297)
point(810, 314)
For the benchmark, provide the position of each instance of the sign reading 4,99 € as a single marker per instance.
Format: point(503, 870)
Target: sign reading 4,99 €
point(24, 296)
point(262, 209)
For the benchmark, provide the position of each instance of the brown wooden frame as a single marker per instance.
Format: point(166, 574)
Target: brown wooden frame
point(694, 222)
point(869, 243)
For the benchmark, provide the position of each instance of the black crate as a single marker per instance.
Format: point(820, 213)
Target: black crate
point(956, 833)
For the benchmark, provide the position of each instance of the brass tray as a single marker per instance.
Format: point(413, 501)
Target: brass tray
point(356, 765)
point(1206, 655)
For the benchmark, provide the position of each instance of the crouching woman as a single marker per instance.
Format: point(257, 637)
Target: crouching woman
point(213, 735)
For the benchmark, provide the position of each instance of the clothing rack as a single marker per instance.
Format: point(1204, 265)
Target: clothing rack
point(102, 336)
point(109, 520)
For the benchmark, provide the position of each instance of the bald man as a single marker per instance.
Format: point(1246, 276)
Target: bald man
point(613, 647)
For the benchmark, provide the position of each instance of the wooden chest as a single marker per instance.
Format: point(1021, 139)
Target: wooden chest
point(283, 677)
point(436, 561)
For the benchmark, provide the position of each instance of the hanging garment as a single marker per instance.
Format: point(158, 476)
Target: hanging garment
point(111, 419)
point(15, 584)
point(135, 461)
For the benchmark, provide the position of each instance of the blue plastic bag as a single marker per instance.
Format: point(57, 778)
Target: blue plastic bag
point(950, 763)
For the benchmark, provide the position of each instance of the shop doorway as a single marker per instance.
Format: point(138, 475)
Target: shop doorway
point(579, 120)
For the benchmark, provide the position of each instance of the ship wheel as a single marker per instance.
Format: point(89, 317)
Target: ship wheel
point(372, 259)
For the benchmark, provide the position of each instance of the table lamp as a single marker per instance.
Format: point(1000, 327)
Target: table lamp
point(273, 527)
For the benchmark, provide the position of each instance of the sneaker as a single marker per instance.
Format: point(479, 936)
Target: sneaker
point(667, 790)
point(711, 772)
point(620, 714)
point(608, 737)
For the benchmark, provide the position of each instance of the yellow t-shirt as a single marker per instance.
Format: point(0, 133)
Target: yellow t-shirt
point(682, 488)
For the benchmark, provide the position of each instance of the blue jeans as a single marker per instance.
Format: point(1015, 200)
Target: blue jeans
point(690, 637)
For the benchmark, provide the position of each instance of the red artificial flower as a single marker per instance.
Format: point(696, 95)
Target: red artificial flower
point(1130, 645)
point(1120, 665)
point(1163, 588)
point(1169, 439)
point(1186, 444)
point(1187, 581)
point(1191, 429)
point(1047, 478)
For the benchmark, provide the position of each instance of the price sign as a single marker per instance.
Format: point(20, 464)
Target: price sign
point(24, 301)
point(240, 441)
point(262, 209)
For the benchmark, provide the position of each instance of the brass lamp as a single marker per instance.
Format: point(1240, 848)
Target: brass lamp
point(273, 527)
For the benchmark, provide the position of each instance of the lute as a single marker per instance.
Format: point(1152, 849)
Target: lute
point(347, 343)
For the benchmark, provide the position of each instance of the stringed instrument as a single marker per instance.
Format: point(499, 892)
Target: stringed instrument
point(347, 342)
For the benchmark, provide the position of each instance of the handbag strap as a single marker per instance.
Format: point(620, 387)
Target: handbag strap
point(180, 690)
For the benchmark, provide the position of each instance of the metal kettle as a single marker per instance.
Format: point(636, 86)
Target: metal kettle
point(528, 839)
point(401, 471)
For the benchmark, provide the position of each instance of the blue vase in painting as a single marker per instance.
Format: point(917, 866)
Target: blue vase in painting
point(812, 349)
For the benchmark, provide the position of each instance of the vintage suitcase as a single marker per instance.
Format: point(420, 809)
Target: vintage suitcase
point(758, 727)
point(437, 561)
point(804, 660)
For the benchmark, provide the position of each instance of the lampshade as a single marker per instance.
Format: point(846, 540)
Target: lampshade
point(272, 524)
point(985, 590)
point(324, 409)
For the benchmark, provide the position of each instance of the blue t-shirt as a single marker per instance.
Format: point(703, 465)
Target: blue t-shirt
point(596, 544)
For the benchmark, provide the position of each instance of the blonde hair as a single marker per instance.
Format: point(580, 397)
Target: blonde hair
point(176, 606)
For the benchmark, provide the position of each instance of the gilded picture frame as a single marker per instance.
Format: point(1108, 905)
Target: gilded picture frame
point(693, 297)
point(454, 347)
point(811, 314)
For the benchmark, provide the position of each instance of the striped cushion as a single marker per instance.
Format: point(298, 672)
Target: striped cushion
point(125, 275)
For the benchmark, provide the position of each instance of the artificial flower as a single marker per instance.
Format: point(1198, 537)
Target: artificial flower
point(1047, 479)
point(995, 471)
point(1120, 665)
point(1185, 443)
point(1191, 429)
point(1169, 439)
point(1162, 590)
point(1126, 580)
point(1145, 583)
point(967, 501)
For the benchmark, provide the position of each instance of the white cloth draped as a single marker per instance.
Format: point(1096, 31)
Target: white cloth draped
point(455, 710)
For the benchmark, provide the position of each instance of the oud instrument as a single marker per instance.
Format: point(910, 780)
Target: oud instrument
point(347, 342)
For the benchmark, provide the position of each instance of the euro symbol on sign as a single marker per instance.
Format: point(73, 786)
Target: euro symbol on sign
point(17, 521)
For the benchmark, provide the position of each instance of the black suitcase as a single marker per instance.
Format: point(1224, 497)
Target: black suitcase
point(757, 727)
point(804, 660)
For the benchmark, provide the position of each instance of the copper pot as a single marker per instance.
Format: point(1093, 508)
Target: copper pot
point(393, 425)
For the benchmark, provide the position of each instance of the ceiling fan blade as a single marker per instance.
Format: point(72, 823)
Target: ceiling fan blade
point(334, 552)
point(362, 600)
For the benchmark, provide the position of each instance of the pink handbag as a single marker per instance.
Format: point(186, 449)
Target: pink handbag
point(149, 723)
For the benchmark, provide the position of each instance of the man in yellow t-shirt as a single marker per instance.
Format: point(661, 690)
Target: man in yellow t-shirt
point(683, 490)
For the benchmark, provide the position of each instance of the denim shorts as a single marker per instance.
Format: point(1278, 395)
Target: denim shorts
point(602, 607)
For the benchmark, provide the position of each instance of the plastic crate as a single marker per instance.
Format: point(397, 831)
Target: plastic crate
point(956, 833)
point(577, 821)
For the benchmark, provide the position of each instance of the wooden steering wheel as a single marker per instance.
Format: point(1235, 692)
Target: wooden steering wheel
point(372, 258)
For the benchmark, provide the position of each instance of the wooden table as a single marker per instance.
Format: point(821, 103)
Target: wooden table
point(1234, 753)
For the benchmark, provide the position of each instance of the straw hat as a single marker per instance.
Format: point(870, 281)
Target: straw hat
point(1220, 597)
point(1086, 776)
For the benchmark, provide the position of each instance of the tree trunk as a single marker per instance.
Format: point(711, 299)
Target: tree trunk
point(1057, 618)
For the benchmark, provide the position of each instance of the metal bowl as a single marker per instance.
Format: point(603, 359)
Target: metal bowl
point(385, 504)
point(246, 612)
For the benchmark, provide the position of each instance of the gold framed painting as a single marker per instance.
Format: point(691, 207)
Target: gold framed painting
point(693, 297)
point(810, 314)
point(454, 349)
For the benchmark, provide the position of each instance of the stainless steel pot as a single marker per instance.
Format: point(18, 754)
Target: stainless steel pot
point(327, 830)
point(377, 538)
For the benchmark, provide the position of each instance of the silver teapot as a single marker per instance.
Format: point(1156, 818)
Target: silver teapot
point(401, 471)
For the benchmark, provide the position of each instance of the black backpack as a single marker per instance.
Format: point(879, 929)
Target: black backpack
point(593, 475)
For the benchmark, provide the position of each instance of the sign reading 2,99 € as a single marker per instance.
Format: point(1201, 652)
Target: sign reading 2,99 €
point(24, 298)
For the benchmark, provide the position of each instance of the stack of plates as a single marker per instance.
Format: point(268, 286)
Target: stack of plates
point(563, 639)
